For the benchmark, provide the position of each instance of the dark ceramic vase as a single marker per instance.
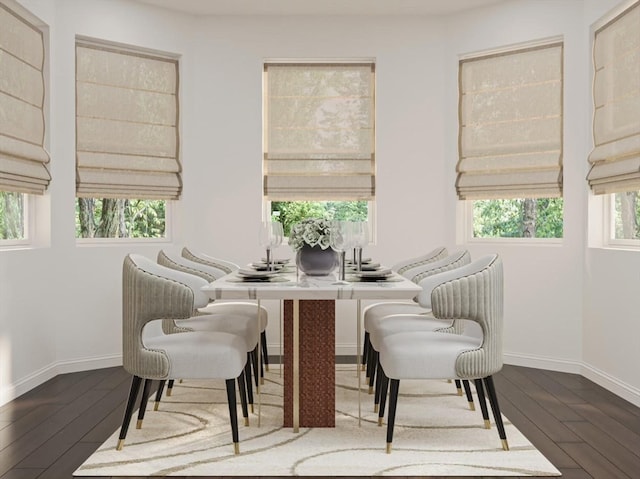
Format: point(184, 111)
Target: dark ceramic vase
point(315, 261)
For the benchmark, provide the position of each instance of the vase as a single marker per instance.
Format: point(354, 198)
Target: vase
point(315, 261)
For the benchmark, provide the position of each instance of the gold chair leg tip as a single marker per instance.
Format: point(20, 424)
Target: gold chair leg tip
point(139, 424)
point(449, 381)
point(266, 367)
point(120, 445)
point(487, 424)
point(370, 390)
point(459, 392)
point(376, 408)
point(236, 448)
point(388, 448)
point(251, 405)
point(379, 421)
point(363, 368)
point(246, 421)
point(505, 444)
point(472, 406)
point(169, 391)
point(156, 405)
point(261, 381)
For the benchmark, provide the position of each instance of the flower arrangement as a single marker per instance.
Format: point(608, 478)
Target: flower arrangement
point(312, 232)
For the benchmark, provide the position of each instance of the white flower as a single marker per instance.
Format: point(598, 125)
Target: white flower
point(313, 231)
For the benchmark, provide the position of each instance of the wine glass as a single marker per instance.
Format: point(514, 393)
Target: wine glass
point(268, 237)
point(360, 240)
point(340, 241)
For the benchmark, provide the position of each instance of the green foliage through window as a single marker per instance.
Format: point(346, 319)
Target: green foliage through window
point(120, 218)
point(12, 215)
point(518, 218)
point(292, 212)
point(627, 215)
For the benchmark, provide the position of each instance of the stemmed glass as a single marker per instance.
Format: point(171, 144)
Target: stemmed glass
point(340, 241)
point(360, 240)
point(270, 235)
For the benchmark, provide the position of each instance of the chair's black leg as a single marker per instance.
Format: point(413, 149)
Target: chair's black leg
point(376, 397)
point(393, 402)
point(467, 390)
point(159, 394)
point(143, 402)
point(493, 400)
point(265, 352)
point(247, 380)
point(384, 384)
point(233, 413)
point(366, 346)
point(372, 365)
point(243, 398)
point(483, 403)
point(128, 412)
point(170, 387)
point(458, 387)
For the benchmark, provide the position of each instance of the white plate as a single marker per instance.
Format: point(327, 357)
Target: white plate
point(251, 273)
point(264, 266)
point(380, 274)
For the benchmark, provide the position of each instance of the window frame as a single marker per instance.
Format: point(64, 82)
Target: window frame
point(465, 227)
point(167, 238)
point(28, 226)
point(371, 217)
point(609, 227)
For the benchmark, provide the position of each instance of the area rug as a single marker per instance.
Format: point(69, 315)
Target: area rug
point(436, 434)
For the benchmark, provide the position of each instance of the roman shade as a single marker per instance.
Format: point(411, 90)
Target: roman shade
point(510, 131)
point(126, 124)
point(319, 139)
point(615, 159)
point(23, 159)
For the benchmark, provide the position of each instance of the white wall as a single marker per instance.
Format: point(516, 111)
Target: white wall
point(60, 305)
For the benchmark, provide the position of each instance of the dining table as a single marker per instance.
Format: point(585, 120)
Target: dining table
point(309, 329)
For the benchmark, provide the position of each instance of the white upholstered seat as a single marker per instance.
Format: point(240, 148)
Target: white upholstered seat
point(474, 293)
point(152, 293)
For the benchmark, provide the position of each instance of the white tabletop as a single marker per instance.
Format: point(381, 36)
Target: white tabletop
point(310, 287)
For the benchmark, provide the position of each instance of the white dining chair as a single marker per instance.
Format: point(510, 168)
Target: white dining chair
point(153, 294)
point(470, 294)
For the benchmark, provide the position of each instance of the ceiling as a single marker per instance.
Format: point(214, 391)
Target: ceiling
point(320, 7)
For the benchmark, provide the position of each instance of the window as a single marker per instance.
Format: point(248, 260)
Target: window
point(13, 221)
point(615, 158)
point(510, 141)
point(127, 148)
point(319, 140)
point(23, 158)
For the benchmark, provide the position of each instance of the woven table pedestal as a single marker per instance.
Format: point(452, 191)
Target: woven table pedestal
point(317, 328)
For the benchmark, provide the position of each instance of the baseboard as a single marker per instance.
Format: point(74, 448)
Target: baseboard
point(610, 383)
point(26, 384)
point(541, 362)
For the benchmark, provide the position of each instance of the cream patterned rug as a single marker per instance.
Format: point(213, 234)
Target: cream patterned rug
point(436, 434)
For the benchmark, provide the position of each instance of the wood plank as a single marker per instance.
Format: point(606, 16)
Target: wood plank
point(614, 451)
point(592, 461)
point(553, 428)
point(548, 402)
point(23, 474)
point(558, 389)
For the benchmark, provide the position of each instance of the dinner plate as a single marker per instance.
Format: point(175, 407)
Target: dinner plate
point(374, 275)
point(251, 273)
point(364, 260)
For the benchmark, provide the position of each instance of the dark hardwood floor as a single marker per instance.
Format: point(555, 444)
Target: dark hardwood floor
point(583, 429)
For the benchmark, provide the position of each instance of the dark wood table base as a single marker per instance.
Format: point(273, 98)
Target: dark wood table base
point(316, 363)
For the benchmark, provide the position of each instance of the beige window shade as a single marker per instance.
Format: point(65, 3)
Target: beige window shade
point(510, 133)
point(615, 159)
point(319, 131)
point(23, 159)
point(126, 124)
